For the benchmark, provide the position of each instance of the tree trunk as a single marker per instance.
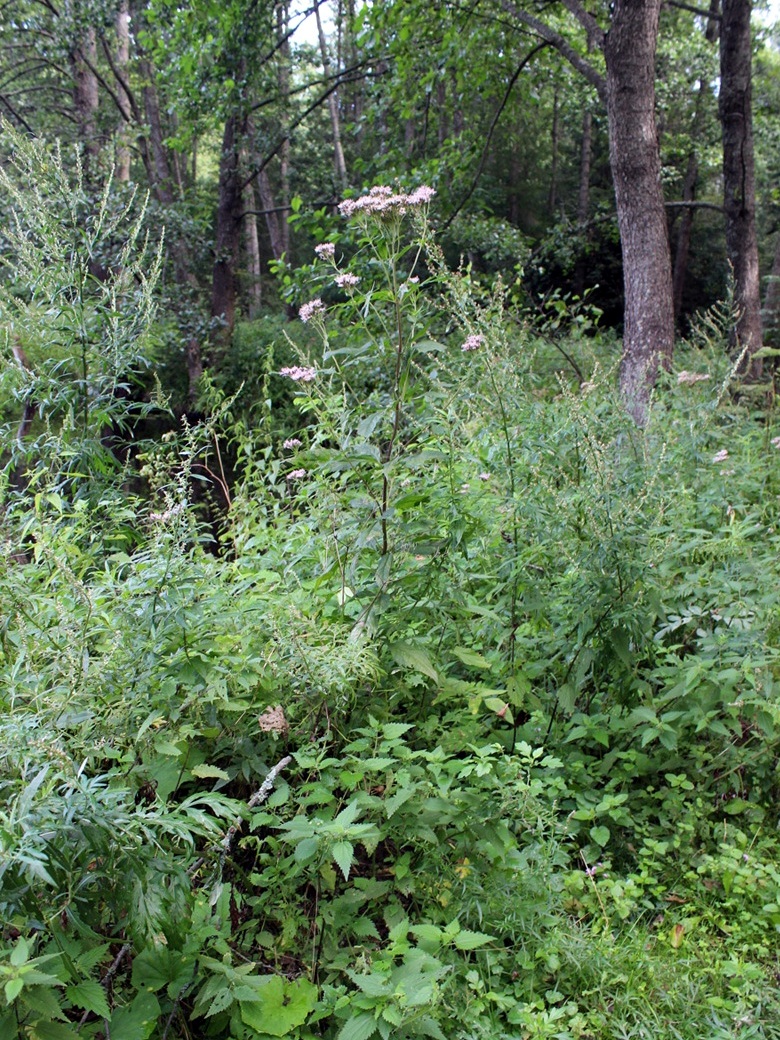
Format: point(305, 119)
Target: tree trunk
point(772, 298)
point(122, 155)
point(228, 229)
point(648, 334)
point(583, 201)
point(85, 100)
point(252, 247)
point(552, 196)
point(339, 163)
point(739, 188)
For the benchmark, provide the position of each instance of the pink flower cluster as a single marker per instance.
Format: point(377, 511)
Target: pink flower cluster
point(310, 309)
point(473, 342)
point(325, 250)
point(383, 201)
point(299, 374)
point(291, 442)
point(346, 280)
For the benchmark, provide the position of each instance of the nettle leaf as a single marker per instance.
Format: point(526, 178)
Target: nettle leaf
point(600, 835)
point(467, 940)
point(136, 1021)
point(361, 1027)
point(343, 853)
point(280, 1005)
point(90, 996)
point(407, 655)
point(205, 772)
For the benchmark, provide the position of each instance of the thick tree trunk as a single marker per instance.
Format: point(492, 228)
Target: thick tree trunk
point(648, 334)
point(739, 188)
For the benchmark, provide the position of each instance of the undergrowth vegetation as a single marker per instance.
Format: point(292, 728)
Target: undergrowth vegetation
point(458, 721)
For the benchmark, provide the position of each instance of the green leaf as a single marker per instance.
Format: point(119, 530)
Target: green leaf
point(90, 996)
point(361, 1027)
point(12, 989)
point(20, 953)
point(137, 1020)
point(281, 1005)
point(471, 658)
point(205, 772)
point(466, 940)
point(600, 835)
point(407, 655)
point(53, 1031)
point(343, 853)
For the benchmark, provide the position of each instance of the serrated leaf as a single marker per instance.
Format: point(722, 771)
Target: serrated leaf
point(471, 658)
point(407, 655)
point(90, 996)
point(361, 1027)
point(467, 940)
point(12, 989)
point(343, 853)
point(280, 1005)
point(205, 772)
point(52, 1031)
point(137, 1020)
point(428, 1027)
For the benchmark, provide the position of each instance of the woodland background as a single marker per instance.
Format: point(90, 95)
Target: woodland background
point(390, 512)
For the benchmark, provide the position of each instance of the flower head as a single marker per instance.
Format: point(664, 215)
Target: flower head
point(383, 201)
point(299, 374)
point(775, 442)
point(720, 456)
point(291, 442)
point(473, 342)
point(310, 309)
point(325, 250)
point(346, 280)
point(296, 474)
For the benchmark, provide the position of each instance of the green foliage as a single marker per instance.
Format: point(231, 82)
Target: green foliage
point(462, 724)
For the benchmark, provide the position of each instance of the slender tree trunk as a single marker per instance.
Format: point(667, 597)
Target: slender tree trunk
point(85, 100)
point(552, 197)
point(683, 246)
point(583, 199)
point(339, 163)
point(648, 334)
point(122, 155)
point(772, 297)
point(227, 238)
point(739, 188)
point(283, 21)
point(252, 248)
point(274, 220)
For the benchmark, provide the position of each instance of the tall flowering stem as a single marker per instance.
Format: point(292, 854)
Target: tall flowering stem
point(386, 208)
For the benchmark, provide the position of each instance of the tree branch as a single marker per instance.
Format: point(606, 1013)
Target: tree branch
point(561, 44)
point(494, 123)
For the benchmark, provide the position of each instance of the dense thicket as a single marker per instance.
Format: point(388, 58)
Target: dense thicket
point(389, 641)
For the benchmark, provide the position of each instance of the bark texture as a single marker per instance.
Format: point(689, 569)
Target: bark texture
point(648, 335)
point(739, 187)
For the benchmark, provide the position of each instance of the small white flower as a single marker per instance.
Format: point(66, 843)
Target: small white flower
point(720, 456)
